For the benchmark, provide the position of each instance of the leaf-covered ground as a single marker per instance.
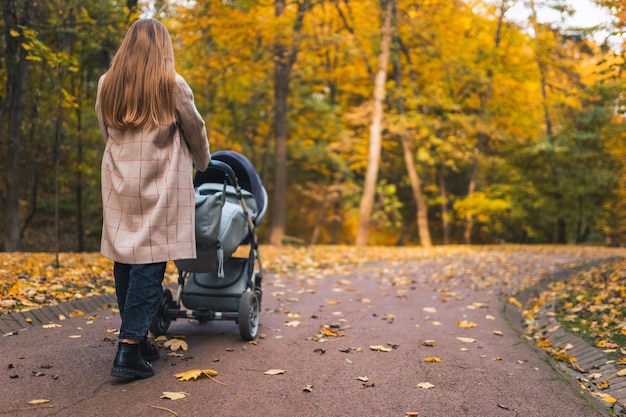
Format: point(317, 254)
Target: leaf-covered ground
point(353, 307)
point(590, 304)
point(32, 280)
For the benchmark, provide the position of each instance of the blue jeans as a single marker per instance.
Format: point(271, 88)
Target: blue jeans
point(138, 289)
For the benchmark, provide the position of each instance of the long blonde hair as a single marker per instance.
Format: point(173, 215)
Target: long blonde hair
point(138, 89)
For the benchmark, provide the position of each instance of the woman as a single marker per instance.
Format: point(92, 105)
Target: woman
point(153, 134)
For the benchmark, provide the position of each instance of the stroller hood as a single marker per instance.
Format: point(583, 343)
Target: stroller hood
point(247, 177)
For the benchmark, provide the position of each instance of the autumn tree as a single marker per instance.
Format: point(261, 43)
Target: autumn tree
point(286, 48)
point(18, 17)
point(376, 127)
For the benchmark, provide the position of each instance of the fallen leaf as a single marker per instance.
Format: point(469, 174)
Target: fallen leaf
point(466, 339)
point(274, 372)
point(292, 323)
point(465, 324)
point(194, 374)
point(604, 384)
point(50, 325)
point(428, 343)
point(379, 348)
point(432, 359)
point(605, 397)
point(362, 378)
point(175, 344)
point(40, 401)
point(429, 309)
point(308, 388)
point(425, 385)
point(516, 303)
point(169, 395)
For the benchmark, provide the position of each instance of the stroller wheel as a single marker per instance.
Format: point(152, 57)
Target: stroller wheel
point(160, 323)
point(249, 309)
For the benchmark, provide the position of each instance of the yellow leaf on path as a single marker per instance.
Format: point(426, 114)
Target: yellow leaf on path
point(194, 374)
point(175, 344)
point(425, 385)
point(41, 401)
point(498, 333)
point(50, 325)
point(274, 372)
point(333, 303)
point(362, 378)
point(605, 397)
point(380, 348)
point(544, 343)
point(516, 303)
point(169, 395)
point(429, 310)
point(465, 324)
point(432, 359)
point(466, 339)
point(308, 388)
point(325, 330)
point(429, 343)
point(292, 323)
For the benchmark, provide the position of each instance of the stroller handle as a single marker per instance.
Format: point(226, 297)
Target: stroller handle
point(226, 169)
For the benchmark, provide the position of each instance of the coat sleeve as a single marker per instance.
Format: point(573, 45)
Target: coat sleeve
point(192, 125)
point(101, 124)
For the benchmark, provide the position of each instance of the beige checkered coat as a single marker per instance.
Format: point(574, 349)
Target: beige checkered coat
point(147, 189)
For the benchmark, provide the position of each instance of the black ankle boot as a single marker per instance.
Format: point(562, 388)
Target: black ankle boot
point(129, 364)
point(148, 351)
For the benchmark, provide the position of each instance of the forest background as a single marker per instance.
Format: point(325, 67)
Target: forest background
point(380, 122)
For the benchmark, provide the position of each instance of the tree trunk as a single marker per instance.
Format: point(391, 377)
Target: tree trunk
point(416, 184)
point(375, 144)
point(467, 235)
point(284, 58)
point(445, 217)
point(16, 81)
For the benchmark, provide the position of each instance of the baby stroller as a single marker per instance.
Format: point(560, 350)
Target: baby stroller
point(230, 203)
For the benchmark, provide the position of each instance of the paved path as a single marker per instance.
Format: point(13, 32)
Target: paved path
point(449, 307)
